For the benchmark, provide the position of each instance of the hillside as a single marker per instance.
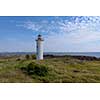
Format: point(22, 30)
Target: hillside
point(54, 69)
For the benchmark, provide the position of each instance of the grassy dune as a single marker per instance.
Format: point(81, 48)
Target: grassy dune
point(58, 70)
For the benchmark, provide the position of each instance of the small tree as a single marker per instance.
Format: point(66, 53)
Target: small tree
point(18, 59)
point(27, 56)
point(33, 56)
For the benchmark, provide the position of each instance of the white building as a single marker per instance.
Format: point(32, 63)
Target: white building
point(39, 48)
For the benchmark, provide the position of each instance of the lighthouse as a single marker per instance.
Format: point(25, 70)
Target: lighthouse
point(39, 47)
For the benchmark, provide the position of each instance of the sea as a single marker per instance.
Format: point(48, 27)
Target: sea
point(94, 54)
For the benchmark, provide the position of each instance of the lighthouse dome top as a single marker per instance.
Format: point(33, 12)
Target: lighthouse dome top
point(39, 38)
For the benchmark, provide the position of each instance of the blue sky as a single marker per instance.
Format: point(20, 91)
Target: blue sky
point(61, 33)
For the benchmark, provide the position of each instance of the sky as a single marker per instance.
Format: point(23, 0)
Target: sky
point(60, 33)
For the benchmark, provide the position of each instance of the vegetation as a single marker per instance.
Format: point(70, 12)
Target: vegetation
point(27, 56)
point(33, 56)
point(36, 69)
point(52, 70)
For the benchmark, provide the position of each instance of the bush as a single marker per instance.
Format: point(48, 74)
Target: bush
point(18, 59)
point(37, 69)
point(27, 56)
point(33, 56)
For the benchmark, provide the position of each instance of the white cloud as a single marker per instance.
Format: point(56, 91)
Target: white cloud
point(68, 33)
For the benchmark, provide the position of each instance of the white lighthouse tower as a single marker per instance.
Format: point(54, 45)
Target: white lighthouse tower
point(39, 48)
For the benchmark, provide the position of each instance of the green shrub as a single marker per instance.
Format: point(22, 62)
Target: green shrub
point(27, 56)
point(33, 56)
point(37, 69)
point(18, 59)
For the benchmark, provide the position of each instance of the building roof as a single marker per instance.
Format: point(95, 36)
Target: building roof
point(39, 38)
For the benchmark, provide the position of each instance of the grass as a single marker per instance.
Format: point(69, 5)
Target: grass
point(51, 70)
